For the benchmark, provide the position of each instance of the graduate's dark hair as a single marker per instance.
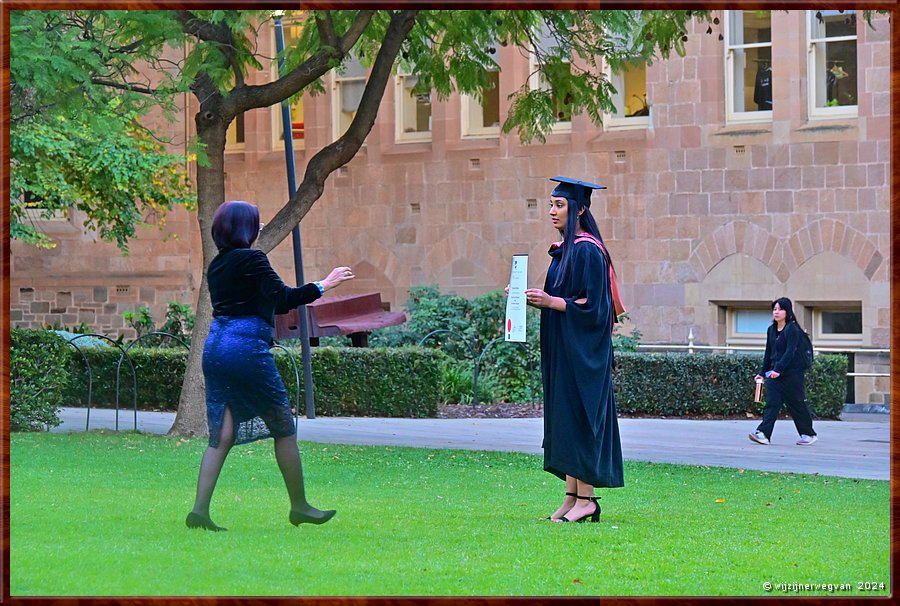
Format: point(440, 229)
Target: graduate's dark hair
point(235, 225)
point(785, 304)
point(586, 220)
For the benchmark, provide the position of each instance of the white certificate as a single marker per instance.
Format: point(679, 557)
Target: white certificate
point(515, 302)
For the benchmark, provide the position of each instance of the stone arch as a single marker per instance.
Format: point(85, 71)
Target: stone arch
point(377, 268)
point(463, 250)
point(829, 235)
point(731, 238)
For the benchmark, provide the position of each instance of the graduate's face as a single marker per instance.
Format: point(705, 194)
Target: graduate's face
point(559, 212)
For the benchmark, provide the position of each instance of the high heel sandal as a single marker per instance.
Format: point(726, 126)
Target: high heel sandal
point(594, 516)
point(195, 520)
point(568, 494)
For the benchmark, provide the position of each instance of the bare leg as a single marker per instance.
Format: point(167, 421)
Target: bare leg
point(569, 500)
point(288, 456)
point(210, 468)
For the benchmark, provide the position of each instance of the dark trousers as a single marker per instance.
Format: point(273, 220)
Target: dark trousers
point(790, 391)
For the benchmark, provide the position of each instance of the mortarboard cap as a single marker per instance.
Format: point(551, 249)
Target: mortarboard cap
point(573, 189)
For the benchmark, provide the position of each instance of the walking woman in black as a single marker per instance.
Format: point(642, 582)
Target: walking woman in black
point(578, 308)
point(783, 368)
point(245, 396)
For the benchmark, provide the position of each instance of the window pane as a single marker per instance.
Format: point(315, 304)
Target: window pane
point(415, 108)
point(831, 24)
point(752, 67)
point(752, 320)
point(841, 323)
point(485, 113)
point(491, 103)
point(840, 74)
point(235, 133)
point(635, 88)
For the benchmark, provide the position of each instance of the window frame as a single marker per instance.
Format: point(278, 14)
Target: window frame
point(336, 97)
point(535, 83)
point(731, 115)
point(839, 111)
point(240, 134)
point(277, 142)
point(821, 338)
point(399, 97)
point(467, 131)
point(615, 121)
point(736, 339)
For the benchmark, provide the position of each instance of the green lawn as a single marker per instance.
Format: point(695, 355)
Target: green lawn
point(103, 514)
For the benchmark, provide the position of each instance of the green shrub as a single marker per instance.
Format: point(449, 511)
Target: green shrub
point(348, 381)
point(512, 370)
point(39, 378)
point(362, 381)
point(719, 384)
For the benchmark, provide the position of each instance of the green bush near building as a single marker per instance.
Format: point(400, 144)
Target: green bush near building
point(398, 382)
point(718, 384)
point(39, 378)
point(406, 381)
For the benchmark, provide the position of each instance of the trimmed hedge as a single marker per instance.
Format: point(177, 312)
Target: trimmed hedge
point(39, 378)
point(46, 373)
point(348, 381)
point(718, 384)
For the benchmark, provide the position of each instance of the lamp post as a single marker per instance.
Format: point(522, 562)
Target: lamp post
point(295, 233)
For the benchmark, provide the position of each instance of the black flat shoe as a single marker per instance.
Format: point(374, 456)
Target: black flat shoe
point(321, 517)
point(195, 520)
point(594, 515)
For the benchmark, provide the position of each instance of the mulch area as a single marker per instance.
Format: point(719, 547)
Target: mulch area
point(505, 410)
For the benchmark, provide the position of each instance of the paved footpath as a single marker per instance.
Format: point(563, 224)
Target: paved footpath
point(858, 448)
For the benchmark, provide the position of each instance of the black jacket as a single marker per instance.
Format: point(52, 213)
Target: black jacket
point(243, 283)
point(783, 353)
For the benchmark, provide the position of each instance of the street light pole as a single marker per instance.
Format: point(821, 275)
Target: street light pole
point(295, 233)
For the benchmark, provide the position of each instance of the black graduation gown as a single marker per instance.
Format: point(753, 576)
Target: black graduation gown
point(581, 431)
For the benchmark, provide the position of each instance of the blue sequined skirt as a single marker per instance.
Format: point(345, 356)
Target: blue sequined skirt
point(240, 373)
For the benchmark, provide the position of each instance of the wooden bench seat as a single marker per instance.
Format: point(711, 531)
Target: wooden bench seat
point(352, 315)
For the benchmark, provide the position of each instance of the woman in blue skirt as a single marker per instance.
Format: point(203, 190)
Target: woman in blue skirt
point(245, 396)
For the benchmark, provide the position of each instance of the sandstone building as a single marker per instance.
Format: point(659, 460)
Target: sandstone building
point(756, 166)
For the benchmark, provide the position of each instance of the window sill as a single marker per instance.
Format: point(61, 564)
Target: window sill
point(398, 148)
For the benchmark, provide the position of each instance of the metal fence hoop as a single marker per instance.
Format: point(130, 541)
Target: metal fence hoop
point(156, 333)
point(458, 335)
point(133, 376)
point(478, 368)
point(296, 380)
point(87, 422)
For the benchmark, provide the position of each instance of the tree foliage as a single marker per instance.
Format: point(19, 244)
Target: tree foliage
point(76, 138)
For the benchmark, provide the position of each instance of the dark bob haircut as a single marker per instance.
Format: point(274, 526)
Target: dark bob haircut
point(235, 225)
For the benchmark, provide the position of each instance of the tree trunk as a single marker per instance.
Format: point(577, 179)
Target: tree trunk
point(190, 420)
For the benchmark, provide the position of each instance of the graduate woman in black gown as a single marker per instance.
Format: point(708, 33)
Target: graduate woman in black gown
point(578, 309)
point(245, 396)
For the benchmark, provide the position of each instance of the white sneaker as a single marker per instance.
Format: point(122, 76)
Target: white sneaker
point(760, 438)
point(807, 440)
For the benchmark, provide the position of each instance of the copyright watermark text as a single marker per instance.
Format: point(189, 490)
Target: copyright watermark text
point(861, 586)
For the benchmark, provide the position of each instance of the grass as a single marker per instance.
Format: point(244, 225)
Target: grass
point(103, 514)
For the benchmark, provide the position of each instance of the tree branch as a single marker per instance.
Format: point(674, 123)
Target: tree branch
point(265, 95)
point(208, 32)
point(123, 86)
point(342, 151)
point(326, 29)
point(359, 25)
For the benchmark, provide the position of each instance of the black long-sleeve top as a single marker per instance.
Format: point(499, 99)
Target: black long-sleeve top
point(781, 350)
point(243, 283)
